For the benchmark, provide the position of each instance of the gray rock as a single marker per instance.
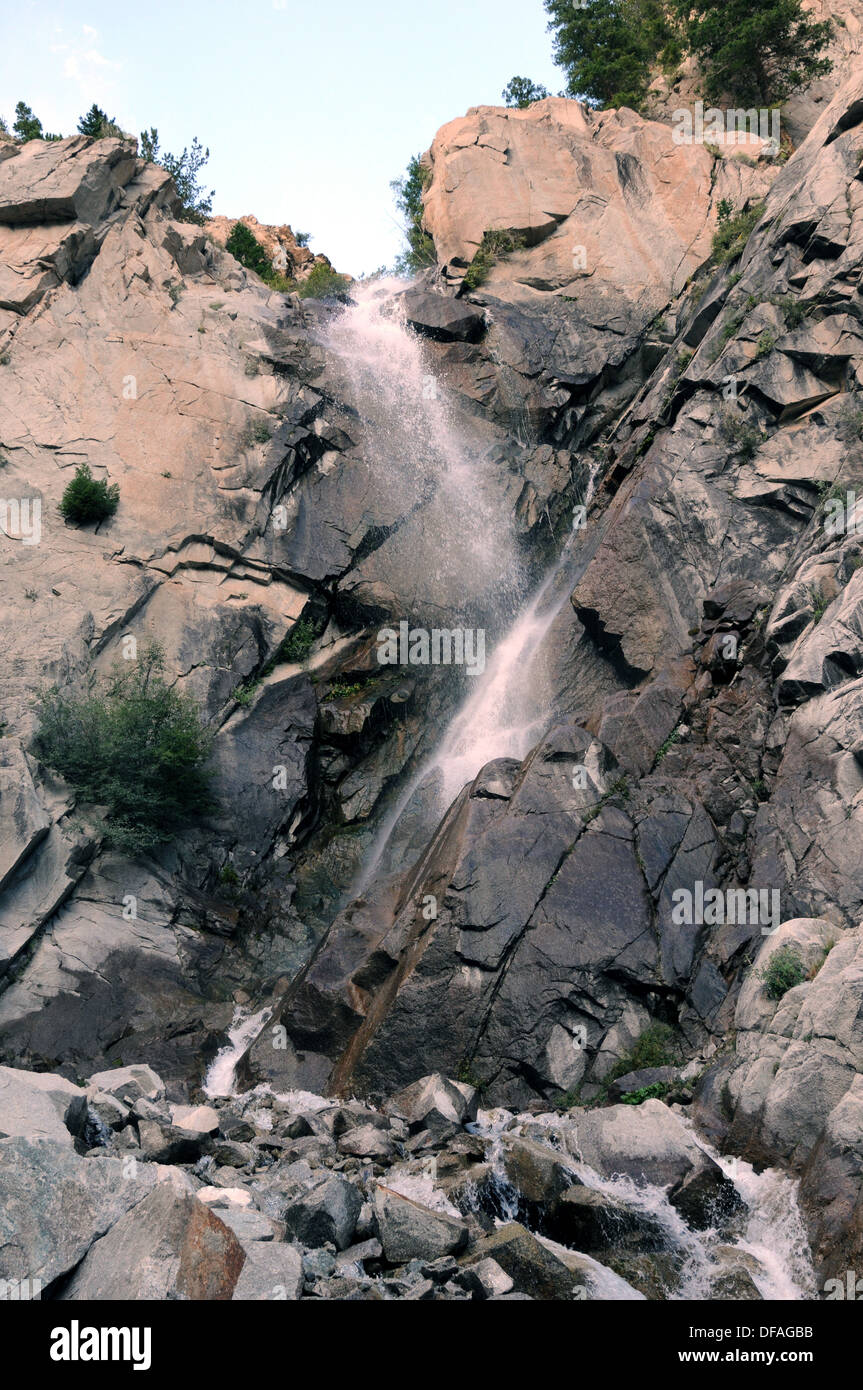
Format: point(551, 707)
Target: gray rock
point(169, 1246)
point(54, 1205)
point(326, 1214)
point(35, 1105)
point(271, 1272)
point(409, 1231)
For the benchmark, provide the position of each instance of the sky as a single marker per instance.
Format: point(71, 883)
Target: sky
point(309, 109)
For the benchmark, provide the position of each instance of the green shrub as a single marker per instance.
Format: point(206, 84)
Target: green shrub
point(793, 312)
point(134, 745)
point(87, 498)
point(782, 972)
point(744, 439)
point(765, 345)
point(494, 244)
point(323, 283)
point(245, 248)
point(655, 1047)
point(256, 432)
point(734, 230)
point(298, 642)
point(819, 604)
point(657, 1091)
point(521, 92)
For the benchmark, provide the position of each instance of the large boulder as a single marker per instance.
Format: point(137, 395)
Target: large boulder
point(409, 1231)
point(170, 1246)
point(36, 1105)
point(54, 1205)
point(326, 1213)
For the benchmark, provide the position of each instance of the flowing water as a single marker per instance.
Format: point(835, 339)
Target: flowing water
point(769, 1243)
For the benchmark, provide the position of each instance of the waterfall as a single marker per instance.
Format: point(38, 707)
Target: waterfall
point(422, 460)
point(221, 1073)
point(503, 716)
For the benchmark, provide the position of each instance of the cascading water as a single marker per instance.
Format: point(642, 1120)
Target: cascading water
point(501, 718)
point(420, 466)
point(464, 559)
point(771, 1244)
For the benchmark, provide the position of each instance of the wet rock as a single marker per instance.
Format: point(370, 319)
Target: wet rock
point(538, 1175)
point(647, 1142)
point(593, 1221)
point(440, 317)
point(533, 1269)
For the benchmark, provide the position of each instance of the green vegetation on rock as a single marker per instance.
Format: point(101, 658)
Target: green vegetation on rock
point(133, 745)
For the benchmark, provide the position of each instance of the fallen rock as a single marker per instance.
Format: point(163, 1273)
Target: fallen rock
point(35, 1105)
point(54, 1205)
point(533, 1269)
point(409, 1231)
point(271, 1272)
point(169, 1246)
point(326, 1214)
point(434, 1103)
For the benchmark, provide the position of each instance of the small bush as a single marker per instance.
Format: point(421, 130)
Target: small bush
point(782, 972)
point(655, 1047)
point(323, 283)
point(245, 248)
point(134, 745)
point(744, 440)
point(819, 604)
point(298, 642)
point(765, 345)
point(256, 433)
point(494, 244)
point(657, 1091)
point(793, 312)
point(87, 498)
point(734, 230)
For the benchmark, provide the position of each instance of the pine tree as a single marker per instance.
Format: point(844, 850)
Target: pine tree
point(607, 47)
point(245, 247)
point(27, 126)
point(97, 123)
point(757, 52)
point(184, 169)
point(521, 92)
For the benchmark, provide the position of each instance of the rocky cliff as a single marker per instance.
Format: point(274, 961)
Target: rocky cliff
point(293, 467)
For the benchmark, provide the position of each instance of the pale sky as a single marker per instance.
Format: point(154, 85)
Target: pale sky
point(309, 109)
